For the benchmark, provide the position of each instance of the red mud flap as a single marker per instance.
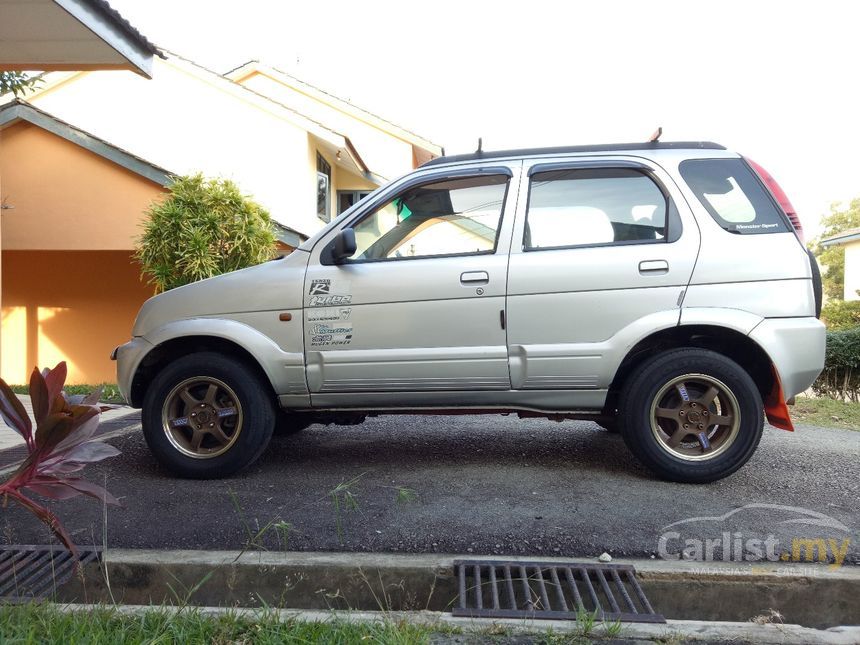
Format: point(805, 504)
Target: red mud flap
point(775, 408)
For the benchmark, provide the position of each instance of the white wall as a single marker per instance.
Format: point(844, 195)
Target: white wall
point(383, 153)
point(852, 270)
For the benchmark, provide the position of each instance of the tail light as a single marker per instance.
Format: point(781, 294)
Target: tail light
point(780, 196)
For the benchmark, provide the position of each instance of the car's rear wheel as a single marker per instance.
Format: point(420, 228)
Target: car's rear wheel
point(207, 415)
point(691, 415)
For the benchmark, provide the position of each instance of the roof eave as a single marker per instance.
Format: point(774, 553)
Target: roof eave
point(109, 26)
point(840, 240)
point(18, 110)
point(246, 69)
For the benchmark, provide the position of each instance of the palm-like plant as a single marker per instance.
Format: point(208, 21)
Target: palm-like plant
point(59, 448)
point(203, 228)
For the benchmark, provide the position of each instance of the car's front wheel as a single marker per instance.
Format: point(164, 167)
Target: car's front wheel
point(207, 415)
point(691, 415)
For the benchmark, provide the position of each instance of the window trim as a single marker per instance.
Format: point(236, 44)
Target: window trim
point(424, 181)
point(355, 194)
point(674, 225)
point(324, 170)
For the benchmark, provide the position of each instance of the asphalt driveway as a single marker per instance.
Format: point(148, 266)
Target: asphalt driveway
point(481, 484)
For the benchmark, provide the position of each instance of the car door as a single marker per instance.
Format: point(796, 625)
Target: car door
point(601, 256)
point(417, 311)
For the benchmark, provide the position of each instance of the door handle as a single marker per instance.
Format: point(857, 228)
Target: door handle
point(654, 267)
point(474, 277)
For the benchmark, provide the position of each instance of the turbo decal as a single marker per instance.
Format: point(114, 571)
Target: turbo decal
point(325, 292)
point(327, 301)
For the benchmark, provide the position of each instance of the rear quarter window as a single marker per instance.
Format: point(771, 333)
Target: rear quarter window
point(733, 196)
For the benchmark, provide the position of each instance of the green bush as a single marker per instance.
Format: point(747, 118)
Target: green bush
point(841, 376)
point(203, 228)
point(841, 314)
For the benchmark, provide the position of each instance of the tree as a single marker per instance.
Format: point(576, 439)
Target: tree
point(203, 228)
point(17, 82)
point(832, 258)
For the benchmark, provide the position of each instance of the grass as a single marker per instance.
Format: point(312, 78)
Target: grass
point(343, 499)
point(110, 391)
point(826, 412)
point(44, 623)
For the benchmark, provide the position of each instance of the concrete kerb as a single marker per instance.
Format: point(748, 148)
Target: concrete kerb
point(672, 631)
point(814, 596)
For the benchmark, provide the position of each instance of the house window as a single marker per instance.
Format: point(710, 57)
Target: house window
point(347, 198)
point(323, 189)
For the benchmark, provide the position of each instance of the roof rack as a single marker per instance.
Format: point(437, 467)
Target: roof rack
point(609, 147)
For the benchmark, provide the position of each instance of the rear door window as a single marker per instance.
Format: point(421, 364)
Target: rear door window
point(591, 207)
point(733, 196)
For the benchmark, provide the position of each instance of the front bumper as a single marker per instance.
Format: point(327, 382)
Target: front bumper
point(796, 347)
point(128, 358)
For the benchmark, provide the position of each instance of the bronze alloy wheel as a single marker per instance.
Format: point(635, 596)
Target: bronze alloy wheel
point(202, 417)
point(695, 417)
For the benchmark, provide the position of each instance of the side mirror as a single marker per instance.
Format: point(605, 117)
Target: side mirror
point(343, 246)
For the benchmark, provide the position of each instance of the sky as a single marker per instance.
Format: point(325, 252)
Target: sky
point(776, 81)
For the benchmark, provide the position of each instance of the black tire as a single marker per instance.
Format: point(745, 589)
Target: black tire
point(254, 402)
point(649, 381)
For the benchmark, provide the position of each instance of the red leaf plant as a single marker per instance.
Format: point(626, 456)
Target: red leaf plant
point(60, 447)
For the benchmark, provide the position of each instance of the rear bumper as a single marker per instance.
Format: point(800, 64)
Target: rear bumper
point(796, 347)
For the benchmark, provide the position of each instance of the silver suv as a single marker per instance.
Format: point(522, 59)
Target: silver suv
point(662, 290)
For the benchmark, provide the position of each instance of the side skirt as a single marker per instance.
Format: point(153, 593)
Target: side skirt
point(580, 404)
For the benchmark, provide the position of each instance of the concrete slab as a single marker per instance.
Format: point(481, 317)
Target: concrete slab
point(811, 596)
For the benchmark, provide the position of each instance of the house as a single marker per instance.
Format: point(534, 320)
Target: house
point(48, 35)
point(71, 204)
point(302, 160)
point(850, 240)
point(87, 152)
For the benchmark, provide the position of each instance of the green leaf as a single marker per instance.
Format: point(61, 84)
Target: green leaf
point(204, 227)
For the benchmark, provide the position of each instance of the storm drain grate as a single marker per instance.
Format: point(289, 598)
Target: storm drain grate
point(28, 572)
point(504, 589)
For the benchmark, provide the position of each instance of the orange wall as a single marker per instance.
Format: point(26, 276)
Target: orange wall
point(67, 305)
point(66, 197)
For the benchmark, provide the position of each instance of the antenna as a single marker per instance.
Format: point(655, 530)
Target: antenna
point(656, 136)
point(480, 146)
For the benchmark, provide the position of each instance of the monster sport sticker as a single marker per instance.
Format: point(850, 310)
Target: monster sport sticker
point(331, 335)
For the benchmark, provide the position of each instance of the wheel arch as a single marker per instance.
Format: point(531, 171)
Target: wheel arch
point(161, 355)
point(282, 371)
point(729, 342)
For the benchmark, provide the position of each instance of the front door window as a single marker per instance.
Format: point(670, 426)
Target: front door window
point(450, 217)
